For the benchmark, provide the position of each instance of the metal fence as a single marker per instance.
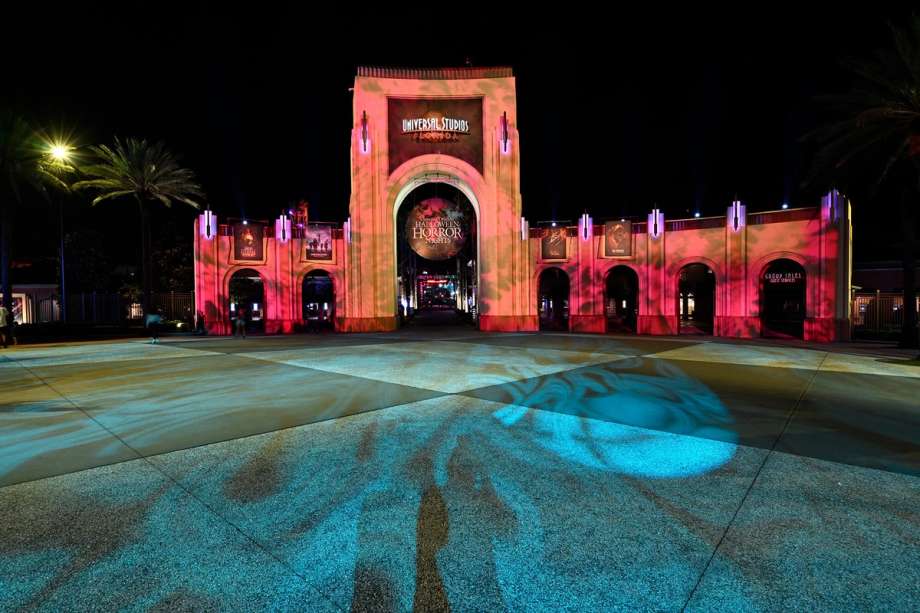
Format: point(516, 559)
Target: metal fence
point(880, 312)
point(176, 305)
point(113, 308)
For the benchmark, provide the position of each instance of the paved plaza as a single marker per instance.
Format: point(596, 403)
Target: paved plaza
point(450, 469)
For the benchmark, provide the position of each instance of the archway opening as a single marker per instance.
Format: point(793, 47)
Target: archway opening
point(782, 300)
point(436, 234)
point(553, 299)
point(247, 300)
point(696, 299)
point(318, 300)
point(621, 292)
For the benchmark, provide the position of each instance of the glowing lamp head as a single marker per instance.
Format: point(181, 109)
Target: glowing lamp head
point(245, 223)
point(785, 205)
point(60, 152)
point(554, 224)
point(696, 214)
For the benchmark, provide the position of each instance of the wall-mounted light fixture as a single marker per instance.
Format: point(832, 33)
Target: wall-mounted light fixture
point(364, 142)
point(346, 230)
point(585, 227)
point(655, 223)
point(525, 229)
point(736, 215)
point(207, 224)
point(831, 202)
point(283, 228)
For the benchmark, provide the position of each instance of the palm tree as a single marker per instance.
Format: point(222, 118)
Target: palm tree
point(877, 142)
point(25, 160)
point(146, 172)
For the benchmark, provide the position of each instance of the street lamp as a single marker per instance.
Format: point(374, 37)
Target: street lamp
point(61, 153)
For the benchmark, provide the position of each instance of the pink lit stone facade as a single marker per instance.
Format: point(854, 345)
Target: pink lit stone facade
point(737, 248)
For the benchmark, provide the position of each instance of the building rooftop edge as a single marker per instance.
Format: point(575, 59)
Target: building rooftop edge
point(435, 74)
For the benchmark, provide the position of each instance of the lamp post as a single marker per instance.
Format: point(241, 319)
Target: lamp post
point(61, 154)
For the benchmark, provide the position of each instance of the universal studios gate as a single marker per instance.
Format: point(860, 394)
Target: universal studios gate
point(413, 128)
point(435, 180)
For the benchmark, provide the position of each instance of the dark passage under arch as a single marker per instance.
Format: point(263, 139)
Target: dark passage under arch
point(247, 299)
point(696, 299)
point(621, 299)
point(318, 300)
point(553, 300)
point(782, 300)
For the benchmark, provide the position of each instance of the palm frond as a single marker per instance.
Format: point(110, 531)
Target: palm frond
point(25, 159)
point(147, 170)
point(877, 118)
point(111, 194)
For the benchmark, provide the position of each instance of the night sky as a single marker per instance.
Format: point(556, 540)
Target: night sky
point(616, 113)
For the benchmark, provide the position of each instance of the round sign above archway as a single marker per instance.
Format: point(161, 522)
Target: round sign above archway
point(437, 229)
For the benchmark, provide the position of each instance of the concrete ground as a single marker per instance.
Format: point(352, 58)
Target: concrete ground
point(446, 469)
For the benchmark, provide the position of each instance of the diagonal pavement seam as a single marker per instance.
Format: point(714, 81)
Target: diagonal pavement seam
point(750, 486)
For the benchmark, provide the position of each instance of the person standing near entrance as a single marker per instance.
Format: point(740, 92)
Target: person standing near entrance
point(4, 325)
point(153, 321)
point(240, 322)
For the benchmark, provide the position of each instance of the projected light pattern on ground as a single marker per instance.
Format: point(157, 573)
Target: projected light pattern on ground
point(517, 473)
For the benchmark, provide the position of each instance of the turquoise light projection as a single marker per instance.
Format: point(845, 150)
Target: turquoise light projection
point(662, 426)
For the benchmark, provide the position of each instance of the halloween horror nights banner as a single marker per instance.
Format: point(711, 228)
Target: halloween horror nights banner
point(617, 239)
point(552, 245)
point(437, 229)
point(317, 242)
point(450, 126)
point(247, 242)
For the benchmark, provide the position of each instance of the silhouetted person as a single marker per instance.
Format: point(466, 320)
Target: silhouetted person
point(5, 327)
point(240, 322)
point(153, 322)
point(200, 330)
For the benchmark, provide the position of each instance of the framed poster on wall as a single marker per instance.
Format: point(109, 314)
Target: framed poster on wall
point(247, 242)
point(553, 244)
point(317, 242)
point(617, 239)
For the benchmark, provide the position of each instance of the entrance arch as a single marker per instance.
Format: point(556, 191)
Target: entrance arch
point(246, 295)
point(621, 299)
point(553, 299)
point(436, 242)
point(696, 299)
point(782, 299)
point(318, 300)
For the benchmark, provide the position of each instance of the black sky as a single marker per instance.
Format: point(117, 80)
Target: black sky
point(616, 112)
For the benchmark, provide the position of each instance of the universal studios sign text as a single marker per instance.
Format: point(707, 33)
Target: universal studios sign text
point(435, 124)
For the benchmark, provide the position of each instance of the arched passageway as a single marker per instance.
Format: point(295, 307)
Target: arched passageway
point(318, 300)
point(553, 299)
point(696, 298)
point(782, 299)
point(246, 293)
point(621, 299)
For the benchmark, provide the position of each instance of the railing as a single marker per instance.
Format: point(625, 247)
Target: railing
point(176, 305)
point(701, 223)
point(113, 308)
point(803, 214)
point(879, 312)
